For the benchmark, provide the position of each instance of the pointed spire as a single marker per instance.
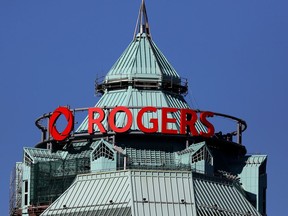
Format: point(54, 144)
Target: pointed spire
point(142, 25)
point(142, 64)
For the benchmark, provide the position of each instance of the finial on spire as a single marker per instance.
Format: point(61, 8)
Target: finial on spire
point(142, 25)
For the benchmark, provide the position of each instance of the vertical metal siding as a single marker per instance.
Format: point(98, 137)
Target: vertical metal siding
point(92, 193)
point(150, 193)
point(139, 98)
point(215, 198)
point(142, 58)
point(163, 192)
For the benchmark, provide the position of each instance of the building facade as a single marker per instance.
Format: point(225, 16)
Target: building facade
point(156, 166)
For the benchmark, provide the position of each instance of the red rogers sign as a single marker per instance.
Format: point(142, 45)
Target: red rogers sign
point(97, 115)
point(52, 123)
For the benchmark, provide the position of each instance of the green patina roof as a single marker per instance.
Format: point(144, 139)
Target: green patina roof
point(91, 195)
point(142, 62)
point(255, 159)
point(217, 198)
point(140, 98)
point(138, 192)
point(80, 150)
point(141, 192)
point(142, 59)
point(37, 154)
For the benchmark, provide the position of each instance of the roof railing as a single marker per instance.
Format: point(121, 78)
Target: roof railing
point(83, 134)
point(175, 85)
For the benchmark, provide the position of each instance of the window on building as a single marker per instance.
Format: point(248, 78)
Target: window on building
point(26, 186)
point(103, 151)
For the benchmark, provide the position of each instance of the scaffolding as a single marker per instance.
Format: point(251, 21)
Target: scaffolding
point(15, 189)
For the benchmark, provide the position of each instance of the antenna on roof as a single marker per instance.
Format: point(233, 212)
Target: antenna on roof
point(142, 25)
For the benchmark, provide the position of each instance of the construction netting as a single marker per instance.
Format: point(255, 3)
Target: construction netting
point(50, 179)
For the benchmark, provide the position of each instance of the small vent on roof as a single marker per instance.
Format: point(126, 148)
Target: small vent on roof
point(183, 201)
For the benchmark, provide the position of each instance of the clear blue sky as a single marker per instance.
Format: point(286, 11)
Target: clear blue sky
point(234, 53)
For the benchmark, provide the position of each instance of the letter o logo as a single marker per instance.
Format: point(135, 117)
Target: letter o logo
point(52, 121)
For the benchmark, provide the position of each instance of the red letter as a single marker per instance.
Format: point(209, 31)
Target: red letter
point(206, 123)
point(165, 120)
point(52, 121)
point(188, 119)
point(112, 123)
point(97, 121)
point(153, 121)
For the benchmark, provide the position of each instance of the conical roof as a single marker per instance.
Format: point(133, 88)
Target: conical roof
point(142, 59)
point(136, 99)
point(142, 64)
point(142, 77)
